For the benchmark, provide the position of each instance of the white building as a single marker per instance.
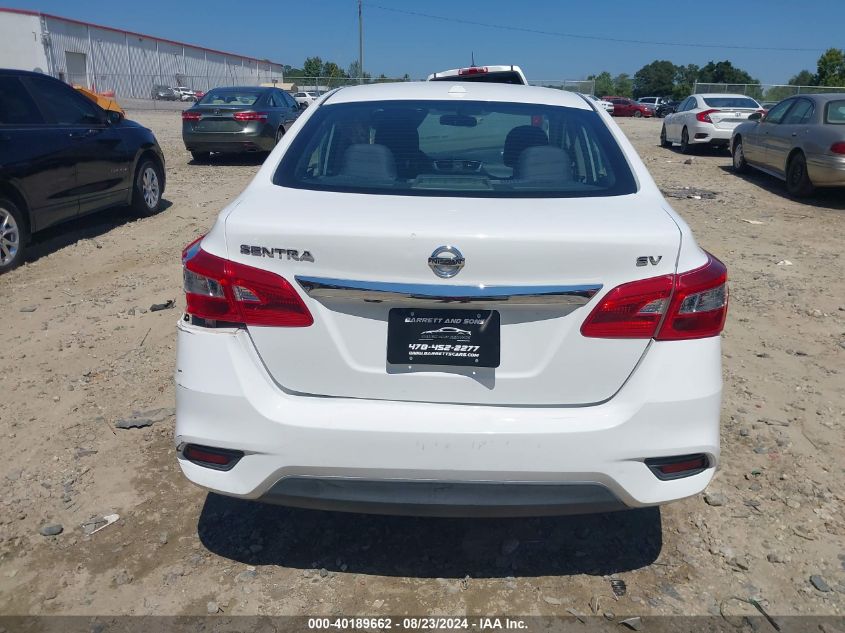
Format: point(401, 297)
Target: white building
point(130, 64)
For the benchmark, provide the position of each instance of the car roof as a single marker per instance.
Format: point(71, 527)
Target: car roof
point(448, 90)
point(236, 88)
point(708, 95)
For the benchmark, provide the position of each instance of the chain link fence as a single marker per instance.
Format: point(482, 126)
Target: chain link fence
point(764, 92)
point(584, 86)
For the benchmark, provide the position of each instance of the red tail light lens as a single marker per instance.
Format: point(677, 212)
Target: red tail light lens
point(473, 70)
point(672, 307)
point(704, 116)
point(188, 115)
point(838, 148)
point(249, 115)
point(222, 290)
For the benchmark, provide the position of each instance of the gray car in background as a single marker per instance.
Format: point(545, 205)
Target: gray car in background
point(800, 140)
point(237, 120)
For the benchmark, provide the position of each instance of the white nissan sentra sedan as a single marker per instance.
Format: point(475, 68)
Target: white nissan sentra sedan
point(451, 298)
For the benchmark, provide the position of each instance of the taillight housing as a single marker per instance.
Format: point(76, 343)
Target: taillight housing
point(688, 305)
point(188, 115)
point(250, 115)
point(704, 116)
point(838, 148)
point(218, 289)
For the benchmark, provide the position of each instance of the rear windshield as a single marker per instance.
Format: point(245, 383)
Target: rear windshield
point(731, 102)
point(231, 97)
point(464, 149)
point(835, 113)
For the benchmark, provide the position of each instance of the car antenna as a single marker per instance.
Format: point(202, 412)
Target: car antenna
point(472, 59)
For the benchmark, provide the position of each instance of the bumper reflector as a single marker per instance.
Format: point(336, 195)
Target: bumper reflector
point(209, 457)
point(677, 466)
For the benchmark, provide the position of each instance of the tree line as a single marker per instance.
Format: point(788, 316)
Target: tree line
point(332, 72)
point(662, 78)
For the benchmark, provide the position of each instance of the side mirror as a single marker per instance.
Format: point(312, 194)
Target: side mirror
point(755, 116)
point(114, 117)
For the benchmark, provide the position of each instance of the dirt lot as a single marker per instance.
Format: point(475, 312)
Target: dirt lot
point(81, 350)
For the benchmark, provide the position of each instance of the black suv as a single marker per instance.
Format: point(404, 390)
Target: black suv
point(62, 156)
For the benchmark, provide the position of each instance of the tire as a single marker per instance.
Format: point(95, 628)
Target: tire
point(147, 189)
point(279, 134)
point(200, 157)
point(797, 179)
point(740, 165)
point(686, 148)
point(637, 114)
point(663, 141)
point(14, 235)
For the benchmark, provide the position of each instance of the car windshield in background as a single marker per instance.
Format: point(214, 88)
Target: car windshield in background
point(231, 97)
point(467, 149)
point(731, 102)
point(835, 113)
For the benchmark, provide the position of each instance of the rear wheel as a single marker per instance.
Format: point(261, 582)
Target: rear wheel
point(13, 235)
point(797, 179)
point(664, 142)
point(637, 114)
point(146, 197)
point(279, 134)
point(738, 153)
point(200, 157)
point(685, 146)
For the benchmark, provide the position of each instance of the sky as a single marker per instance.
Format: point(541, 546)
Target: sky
point(399, 40)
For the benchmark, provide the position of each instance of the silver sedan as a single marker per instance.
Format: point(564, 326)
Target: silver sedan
point(800, 140)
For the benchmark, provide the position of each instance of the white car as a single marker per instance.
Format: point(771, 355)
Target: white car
point(651, 101)
point(607, 105)
point(706, 119)
point(591, 377)
point(488, 74)
point(185, 94)
point(305, 98)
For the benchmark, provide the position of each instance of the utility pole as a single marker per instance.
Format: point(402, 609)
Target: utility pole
point(360, 44)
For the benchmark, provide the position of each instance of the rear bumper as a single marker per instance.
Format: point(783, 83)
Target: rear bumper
point(709, 133)
point(228, 142)
point(444, 459)
point(826, 171)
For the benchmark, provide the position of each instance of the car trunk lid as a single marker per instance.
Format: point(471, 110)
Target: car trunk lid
point(511, 247)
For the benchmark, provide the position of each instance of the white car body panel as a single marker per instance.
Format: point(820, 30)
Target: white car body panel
point(321, 402)
point(700, 132)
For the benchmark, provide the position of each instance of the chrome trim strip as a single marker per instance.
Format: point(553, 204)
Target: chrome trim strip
point(378, 291)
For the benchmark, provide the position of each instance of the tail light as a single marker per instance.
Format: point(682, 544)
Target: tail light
point(672, 307)
point(473, 70)
point(838, 148)
point(704, 116)
point(188, 115)
point(250, 115)
point(222, 290)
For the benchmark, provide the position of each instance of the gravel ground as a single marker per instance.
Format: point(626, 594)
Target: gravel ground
point(82, 351)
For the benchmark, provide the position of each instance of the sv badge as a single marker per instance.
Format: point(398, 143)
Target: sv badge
point(645, 260)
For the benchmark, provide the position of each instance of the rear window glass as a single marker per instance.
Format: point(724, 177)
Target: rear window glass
point(231, 97)
point(730, 102)
point(464, 149)
point(835, 113)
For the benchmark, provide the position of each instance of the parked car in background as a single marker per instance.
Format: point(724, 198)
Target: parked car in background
point(305, 99)
point(767, 105)
point(62, 156)
point(164, 93)
point(622, 106)
point(706, 119)
point(666, 108)
point(606, 105)
point(652, 101)
point(199, 94)
point(564, 359)
point(234, 120)
point(488, 74)
point(800, 140)
point(185, 94)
